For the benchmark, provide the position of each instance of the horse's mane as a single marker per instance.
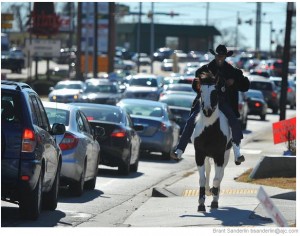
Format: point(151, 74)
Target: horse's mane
point(207, 78)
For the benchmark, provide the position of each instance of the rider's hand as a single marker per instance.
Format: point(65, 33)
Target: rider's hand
point(229, 82)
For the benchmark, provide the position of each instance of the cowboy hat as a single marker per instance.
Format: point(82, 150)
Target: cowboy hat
point(221, 50)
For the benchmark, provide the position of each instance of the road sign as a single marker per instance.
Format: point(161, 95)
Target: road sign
point(271, 209)
point(7, 17)
point(43, 47)
point(5, 25)
point(284, 130)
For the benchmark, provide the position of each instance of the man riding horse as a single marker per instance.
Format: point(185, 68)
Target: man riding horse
point(230, 81)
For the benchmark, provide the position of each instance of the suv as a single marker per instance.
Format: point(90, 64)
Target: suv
point(30, 158)
point(269, 90)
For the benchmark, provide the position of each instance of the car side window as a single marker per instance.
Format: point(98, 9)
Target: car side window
point(86, 124)
point(80, 124)
point(35, 114)
point(45, 121)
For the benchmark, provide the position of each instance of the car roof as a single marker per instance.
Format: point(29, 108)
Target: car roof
point(142, 101)
point(258, 78)
point(180, 95)
point(62, 106)
point(71, 82)
point(94, 105)
point(143, 75)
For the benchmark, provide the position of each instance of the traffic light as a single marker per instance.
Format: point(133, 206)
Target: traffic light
point(239, 21)
point(172, 14)
point(150, 14)
point(250, 22)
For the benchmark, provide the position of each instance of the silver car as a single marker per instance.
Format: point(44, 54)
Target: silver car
point(80, 149)
point(160, 133)
point(66, 91)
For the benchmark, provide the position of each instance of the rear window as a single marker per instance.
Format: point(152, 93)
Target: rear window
point(58, 116)
point(110, 115)
point(148, 82)
point(261, 85)
point(11, 108)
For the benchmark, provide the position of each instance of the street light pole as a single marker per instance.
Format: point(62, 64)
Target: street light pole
point(152, 37)
point(271, 32)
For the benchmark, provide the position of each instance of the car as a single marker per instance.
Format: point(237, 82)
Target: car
point(256, 103)
point(175, 88)
point(268, 89)
point(120, 145)
point(66, 91)
point(14, 60)
point(291, 90)
point(80, 149)
point(162, 53)
point(141, 59)
point(144, 86)
point(30, 157)
point(161, 132)
point(180, 104)
point(120, 64)
point(273, 66)
point(243, 110)
point(191, 67)
point(168, 65)
point(101, 91)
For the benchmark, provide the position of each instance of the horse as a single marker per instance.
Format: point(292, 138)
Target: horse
point(211, 139)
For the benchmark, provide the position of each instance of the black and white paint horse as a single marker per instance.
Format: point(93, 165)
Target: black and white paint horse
point(212, 139)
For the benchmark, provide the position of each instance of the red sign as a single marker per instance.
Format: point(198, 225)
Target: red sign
point(284, 130)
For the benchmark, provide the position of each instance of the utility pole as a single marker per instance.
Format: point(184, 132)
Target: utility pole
point(152, 37)
point(238, 21)
point(258, 22)
point(139, 37)
point(207, 12)
point(286, 59)
point(78, 52)
point(95, 58)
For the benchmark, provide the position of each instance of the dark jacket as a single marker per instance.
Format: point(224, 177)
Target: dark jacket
point(241, 83)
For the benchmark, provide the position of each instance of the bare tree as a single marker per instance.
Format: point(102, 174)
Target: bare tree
point(229, 35)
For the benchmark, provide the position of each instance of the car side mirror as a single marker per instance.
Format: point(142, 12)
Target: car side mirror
point(99, 132)
point(58, 129)
point(138, 127)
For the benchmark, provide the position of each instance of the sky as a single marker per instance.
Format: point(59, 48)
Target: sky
point(221, 14)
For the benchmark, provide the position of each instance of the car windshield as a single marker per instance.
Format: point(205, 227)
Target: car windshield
point(148, 82)
point(68, 86)
point(254, 94)
point(101, 89)
point(261, 86)
point(58, 116)
point(181, 102)
point(103, 114)
point(144, 110)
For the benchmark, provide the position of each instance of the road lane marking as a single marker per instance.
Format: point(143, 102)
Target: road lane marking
point(195, 192)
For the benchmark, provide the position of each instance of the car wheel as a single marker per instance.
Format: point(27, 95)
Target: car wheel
point(275, 110)
point(50, 198)
point(76, 188)
point(31, 203)
point(124, 167)
point(263, 117)
point(166, 155)
point(91, 184)
point(134, 167)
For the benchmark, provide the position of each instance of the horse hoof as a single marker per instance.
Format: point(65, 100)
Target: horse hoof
point(201, 208)
point(214, 205)
point(207, 192)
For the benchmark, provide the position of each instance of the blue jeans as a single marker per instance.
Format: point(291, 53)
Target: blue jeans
point(233, 122)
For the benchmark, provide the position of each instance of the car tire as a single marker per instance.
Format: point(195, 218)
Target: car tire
point(31, 203)
point(134, 167)
point(77, 187)
point(91, 184)
point(263, 117)
point(124, 167)
point(166, 155)
point(50, 199)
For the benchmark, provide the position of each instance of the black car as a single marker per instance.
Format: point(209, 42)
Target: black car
point(256, 103)
point(14, 60)
point(101, 91)
point(30, 158)
point(120, 145)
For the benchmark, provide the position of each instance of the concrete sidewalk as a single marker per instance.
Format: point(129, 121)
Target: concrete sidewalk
point(177, 201)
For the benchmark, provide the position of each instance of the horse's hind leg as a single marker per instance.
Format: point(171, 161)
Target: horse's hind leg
point(219, 173)
point(202, 180)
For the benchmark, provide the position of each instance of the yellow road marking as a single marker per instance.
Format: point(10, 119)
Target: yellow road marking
point(195, 192)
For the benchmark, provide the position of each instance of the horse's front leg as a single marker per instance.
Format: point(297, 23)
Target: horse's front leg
point(219, 173)
point(200, 158)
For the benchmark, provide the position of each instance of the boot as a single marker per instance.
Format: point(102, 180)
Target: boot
point(238, 158)
point(177, 155)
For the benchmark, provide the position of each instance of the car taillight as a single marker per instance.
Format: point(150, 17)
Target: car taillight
point(274, 95)
point(69, 141)
point(28, 140)
point(289, 90)
point(163, 127)
point(240, 107)
point(257, 104)
point(118, 133)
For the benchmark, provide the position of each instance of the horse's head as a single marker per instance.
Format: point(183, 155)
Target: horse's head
point(209, 95)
